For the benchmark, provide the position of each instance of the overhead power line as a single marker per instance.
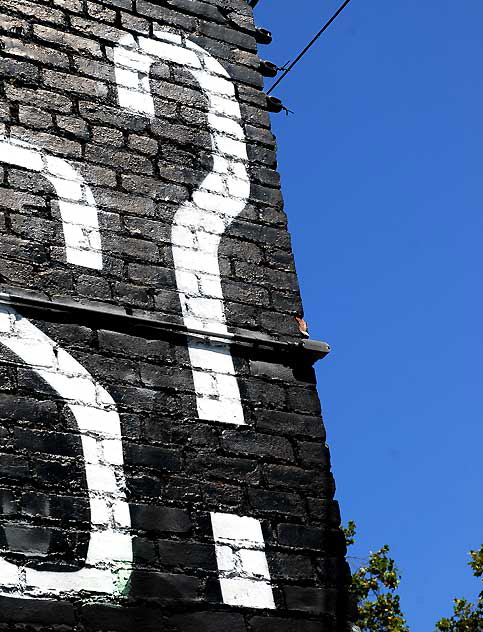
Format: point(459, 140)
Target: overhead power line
point(309, 45)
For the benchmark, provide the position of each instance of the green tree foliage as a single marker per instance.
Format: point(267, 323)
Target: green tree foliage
point(467, 617)
point(374, 586)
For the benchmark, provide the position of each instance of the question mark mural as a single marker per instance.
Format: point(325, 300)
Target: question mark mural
point(109, 554)
point(196, 233)
point(200, 222)
point(163, 463)
point(197, 229)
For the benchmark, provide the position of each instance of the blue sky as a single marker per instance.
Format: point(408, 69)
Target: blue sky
point(381, 169)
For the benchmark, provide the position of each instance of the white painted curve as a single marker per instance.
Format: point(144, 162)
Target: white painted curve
point(78, 211)
point(199, 223)
point(109, 555)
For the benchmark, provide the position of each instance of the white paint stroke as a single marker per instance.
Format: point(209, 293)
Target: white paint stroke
point(199, 223)
point(109, 554)
point(242, 563)
point(77, 207)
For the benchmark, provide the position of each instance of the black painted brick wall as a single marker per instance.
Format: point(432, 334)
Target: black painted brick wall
point(58, 91)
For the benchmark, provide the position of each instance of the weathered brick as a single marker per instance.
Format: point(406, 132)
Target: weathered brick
point(127, 203)
point(151, 275)
point(12, 24)
point(252, 443)
point(247, 294)
point(33, 117)
point(39, 98)
point(273, 370)
point(222, 497)
point(135, 23)
point(96, 69)
point(276, 624)
point(4, 111)
point(37, 228)
point(309, 599)
point(201, 9)
point(80, 85)
point(35, 611)
point(259, 392)
point(218, 49)
point(287, 566)
point(26, 408)
point(122, 4)
point(275, 502)
point(14, 199)
point(134, 346)
point(152, 518)
point(300, 536)
point(73, 125)
point(214, 466)
point(12, 466)
point(100, 12)
point(8, 503)
point(92, 28)
point(313, 454)
point(107, 136)
point(290, 424)
point(93, 174)
point(16, 248)
point(208, 622)
point(121, 619)
point(143, 144)
point(41, 54)
point(165, 16)
point(231, 36)
point(67, 40)
point(187, 554)
point(117, 158)
point(153, 230)
point(18, 70)
point(160, 459)
point(49, 142)
point(324, 510)
point(165, 587)
point(76, 6)
point(286, 477)
point(304, 400)
point(144, 487)
point(35, 10)
point(93, 287)
point(261, 135)
point(136, 248)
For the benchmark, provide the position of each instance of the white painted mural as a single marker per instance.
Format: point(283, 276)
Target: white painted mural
point(196, 233)
point(197, 229)
point(109, 556)
point(199, 223)
point(78, 211)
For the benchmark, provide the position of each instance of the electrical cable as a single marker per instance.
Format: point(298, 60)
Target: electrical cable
point(309, 45)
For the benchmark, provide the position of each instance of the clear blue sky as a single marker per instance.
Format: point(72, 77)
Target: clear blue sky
point(382, 176)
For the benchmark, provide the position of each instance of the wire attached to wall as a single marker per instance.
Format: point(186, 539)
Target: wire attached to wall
point(309, 45)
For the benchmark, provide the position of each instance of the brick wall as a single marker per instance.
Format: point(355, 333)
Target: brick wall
point(163, 461)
